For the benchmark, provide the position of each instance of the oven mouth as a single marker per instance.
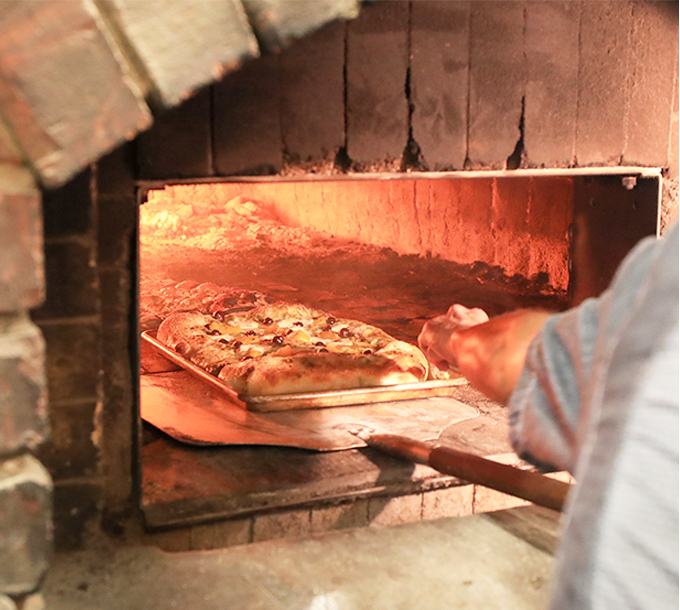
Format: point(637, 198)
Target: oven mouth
point(549, 252)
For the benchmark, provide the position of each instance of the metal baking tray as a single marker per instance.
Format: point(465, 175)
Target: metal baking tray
point(310, 400)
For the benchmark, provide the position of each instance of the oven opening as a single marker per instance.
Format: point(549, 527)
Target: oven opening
point(390, 251)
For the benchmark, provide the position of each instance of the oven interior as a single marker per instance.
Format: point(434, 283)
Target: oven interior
point(392, 251)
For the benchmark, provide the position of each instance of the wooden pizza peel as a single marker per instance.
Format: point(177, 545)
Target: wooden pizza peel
point(193, 412)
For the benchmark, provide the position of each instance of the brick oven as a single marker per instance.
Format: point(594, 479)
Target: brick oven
point(522, 147)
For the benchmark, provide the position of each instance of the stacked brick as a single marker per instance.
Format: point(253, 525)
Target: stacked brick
point(79, 77)
point(25, 485)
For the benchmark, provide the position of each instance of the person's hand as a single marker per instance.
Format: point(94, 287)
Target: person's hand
point(435, 337)
point(465, 317)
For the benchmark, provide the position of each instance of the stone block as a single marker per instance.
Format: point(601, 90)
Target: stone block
point(449, 502)
point(674, 148)
point(276, 22)
point(172, 541)
point(604, 50)
point(440, 66)
point(65, 96)
point(312, 103)
point(509, 214)
point(497, 72)
point(22, 280)
point(183, 45)
point(77, 511)
point(548, 222)
point(71, 278)
point(246, 123)
point(552, 31)
point(653, 73)
point(489, 500)
point(395, 511)
point(221, 535)
point(377, 63)
point(290, 524)
point(23, 396)
point(67, 211)
point(26, 524)
point(73, 361)
point(178, 144)
point(668, 208)
point(115, 172)
point(117, 417)
point(70, 451)
point(116, 230)
point(341, 516)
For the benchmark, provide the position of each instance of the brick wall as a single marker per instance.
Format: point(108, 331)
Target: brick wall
point(25, 485)
point(436, 85)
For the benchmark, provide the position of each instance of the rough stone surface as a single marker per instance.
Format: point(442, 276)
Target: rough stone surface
point(70, 451)
point(669, 204)
point(653, 64)
point(68, 211)
point(63, 94)
point(116, 232)
point(117, 417)
point(440, 66)
point(178, 144)
point(377, 61)
point(116, 172)
point(72, 280)
point(277, 22)
point(172, 541)
point(600, 133)
point(23, 397)
point(552, 30)
point(450, 502)
point(77, 508)
point(674, 147)
point(22, 282)
point(312, 101)
point(246, 127)
point(291, 524)
point(471, 562)
point(183, 45)
point(73, 360)
point(341, 516)
point(26, 523)
point(221, 535)
point(497, 70)
point(395, 511)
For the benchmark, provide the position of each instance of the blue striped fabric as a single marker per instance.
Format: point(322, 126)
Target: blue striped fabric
point(599, 397)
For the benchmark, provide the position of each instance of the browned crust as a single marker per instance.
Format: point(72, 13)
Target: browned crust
point(185, 333)
point(316, 372)
point(389, 362)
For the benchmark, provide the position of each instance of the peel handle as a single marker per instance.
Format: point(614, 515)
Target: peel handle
point(525, 484)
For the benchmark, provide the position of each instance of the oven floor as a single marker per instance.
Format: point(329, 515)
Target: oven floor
point(376, 285)
point(184, 485)
point(494, 561)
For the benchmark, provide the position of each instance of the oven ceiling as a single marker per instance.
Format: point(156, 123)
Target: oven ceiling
point(78, 77)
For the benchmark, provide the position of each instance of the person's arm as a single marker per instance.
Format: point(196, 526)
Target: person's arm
point(489, 353)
